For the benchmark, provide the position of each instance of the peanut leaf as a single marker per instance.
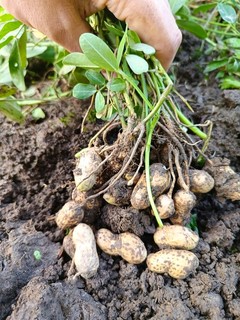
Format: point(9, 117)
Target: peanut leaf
point(11, 110)
point(83, 91)
point(227, 12)
point(98, 52)
point(137, 64)
point(80, 60)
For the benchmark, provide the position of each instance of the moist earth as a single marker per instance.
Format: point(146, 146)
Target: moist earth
point(37, 160)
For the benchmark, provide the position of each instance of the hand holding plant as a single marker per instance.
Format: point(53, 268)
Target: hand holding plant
point(64, 21)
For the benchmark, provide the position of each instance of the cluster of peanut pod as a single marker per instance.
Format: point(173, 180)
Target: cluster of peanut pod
point(174, 239)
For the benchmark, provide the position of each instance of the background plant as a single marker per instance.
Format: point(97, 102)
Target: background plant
point(217, 23)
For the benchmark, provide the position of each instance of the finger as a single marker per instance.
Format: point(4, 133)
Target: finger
point(153, 22)
point(61, 23)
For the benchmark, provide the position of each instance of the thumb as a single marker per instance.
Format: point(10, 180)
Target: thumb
point(154, 23)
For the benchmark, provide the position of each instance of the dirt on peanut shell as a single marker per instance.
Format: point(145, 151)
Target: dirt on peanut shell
point(36, 163)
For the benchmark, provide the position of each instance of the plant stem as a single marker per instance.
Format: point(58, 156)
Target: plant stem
point(164, 95)
point(33, 102)
point(147, 169)
point(187, 122)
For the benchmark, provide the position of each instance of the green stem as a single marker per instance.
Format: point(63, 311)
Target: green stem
point(164, 95)
point(132, 82)
point(121, 117)
point(33, 102)
point(187, 122)
point(129, 103)
point(147, 169)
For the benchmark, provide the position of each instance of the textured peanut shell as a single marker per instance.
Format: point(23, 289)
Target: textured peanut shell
point(165, 206)
point(127, 245)
point(91, 207)
point(200, 181)
point(179, 264)
point(87, 169)
point(184, 202)
point(70, 215)
point(160, 181)
point(176, 236)
point(85, 258)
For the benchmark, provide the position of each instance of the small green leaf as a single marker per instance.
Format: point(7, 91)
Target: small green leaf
point(113, 29)
point(15, 66)
point(233, 43)
point(192, 27)
point(116, 85)
point(6, 91)
point(80, 60)
point(133, 36)
point(38, 114)
point(37, 255)
point(98, 52)
point(6, 41)
point(34, 50)
point(227, 12)
point(11, 110)
point(143, 47)
point(22, 44)
point(137, 64)
point(176, 5)
point(121, 47)
point(99, 103)
point(230, 83)
point(204, 7)
point(83, 91)
point(95, 77)
point(215, 65)
point(6, 17)
point(9, 27)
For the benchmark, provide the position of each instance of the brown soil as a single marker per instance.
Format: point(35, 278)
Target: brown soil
point(37, 160)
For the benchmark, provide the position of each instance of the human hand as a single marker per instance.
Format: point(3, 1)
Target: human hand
point(64, 21)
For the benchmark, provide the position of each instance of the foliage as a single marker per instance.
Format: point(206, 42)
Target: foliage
point(218, 24)
point(19, 44)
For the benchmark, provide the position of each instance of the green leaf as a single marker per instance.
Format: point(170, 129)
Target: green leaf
point(112, 29)
point(6, 17)
point(192, 27)
point(34, 50)
point(98, 52)
point(80, 60)
point(133, 36)
point(204, 7)
point(11, 110)
point(6, 41)
point(233, 43)
point(116, 85)
point(22, 44)
point(6, 91)
point(8, 27)
point(99, 103)
point(215, 65)
point(184, 12)
point(95, 77)
point(15, 66)
point(83, 91)
point(227, 12)
point(137, 64)
point(176, 5)
point(38, 114)
point(230, 83)
point(143, 47)
point(121, 47)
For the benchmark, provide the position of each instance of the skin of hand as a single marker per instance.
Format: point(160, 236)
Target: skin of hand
point(64, 21)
